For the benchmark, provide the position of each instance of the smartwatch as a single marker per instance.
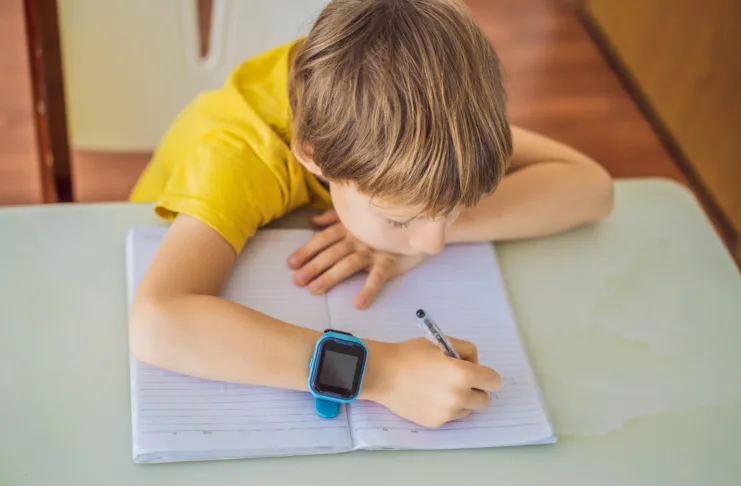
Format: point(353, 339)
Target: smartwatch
point(336, 371)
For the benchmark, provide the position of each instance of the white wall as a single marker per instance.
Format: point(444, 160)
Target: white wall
point(131, 65)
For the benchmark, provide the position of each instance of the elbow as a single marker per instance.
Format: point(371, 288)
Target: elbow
point(602, 195)
point(148, 323)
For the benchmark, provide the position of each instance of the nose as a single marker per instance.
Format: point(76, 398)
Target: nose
point(429, 239)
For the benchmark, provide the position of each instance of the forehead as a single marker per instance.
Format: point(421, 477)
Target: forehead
point(400, 212)
point(387, 207)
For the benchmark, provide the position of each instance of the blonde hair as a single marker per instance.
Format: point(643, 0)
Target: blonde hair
point(403, 98)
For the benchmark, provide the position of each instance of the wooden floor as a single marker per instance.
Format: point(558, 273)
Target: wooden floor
point(558, 83)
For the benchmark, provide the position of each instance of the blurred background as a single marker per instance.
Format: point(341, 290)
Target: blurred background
point(647, 88)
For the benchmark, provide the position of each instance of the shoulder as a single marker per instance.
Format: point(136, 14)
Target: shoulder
point(226, 159)
point(262, 83)
point(246, 121)
point(273, 62)
point(252, 104)
point(232, 186)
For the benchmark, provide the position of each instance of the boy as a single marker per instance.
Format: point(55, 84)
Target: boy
point(396, 109)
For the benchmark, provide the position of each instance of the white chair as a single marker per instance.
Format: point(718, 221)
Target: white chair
point(131, 65)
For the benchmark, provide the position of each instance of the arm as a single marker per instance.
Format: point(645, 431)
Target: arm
point(551, 188)
point(177, 322)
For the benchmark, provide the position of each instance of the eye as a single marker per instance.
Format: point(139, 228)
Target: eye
point(397, 224)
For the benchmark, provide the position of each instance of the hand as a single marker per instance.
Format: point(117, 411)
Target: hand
point(334, 255)
point(418, 382)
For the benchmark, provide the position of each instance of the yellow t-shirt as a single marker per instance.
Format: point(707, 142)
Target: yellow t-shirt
point(226, 159)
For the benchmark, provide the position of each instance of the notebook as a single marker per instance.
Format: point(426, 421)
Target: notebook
point(183, 418)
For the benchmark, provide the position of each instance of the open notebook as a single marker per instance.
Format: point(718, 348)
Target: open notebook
point(180, 418)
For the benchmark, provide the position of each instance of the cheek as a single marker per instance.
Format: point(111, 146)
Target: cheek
point(373, 232)
point(367, 227)
point(357, 222)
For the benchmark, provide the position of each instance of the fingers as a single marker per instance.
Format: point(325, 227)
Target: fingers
point(326, 218)
point(480, 377)
point(322, 262)
point(466, 349)
point(462, 414)
point(473, 400)
point(377, 278)
point(317, 243)
point(477, 400)
point(343, 269)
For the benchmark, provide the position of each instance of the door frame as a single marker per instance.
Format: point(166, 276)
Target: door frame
point(45, 60)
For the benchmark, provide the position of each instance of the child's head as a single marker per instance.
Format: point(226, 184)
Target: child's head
point(399, 105)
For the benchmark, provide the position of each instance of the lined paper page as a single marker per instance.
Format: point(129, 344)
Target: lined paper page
point(463, 292)
point(177, 417)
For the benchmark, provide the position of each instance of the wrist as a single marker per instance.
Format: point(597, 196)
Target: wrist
point(458, 232)
point(472, 226)
point(377, 371)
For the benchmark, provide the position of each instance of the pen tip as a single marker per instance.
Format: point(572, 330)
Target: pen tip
point(421, 314)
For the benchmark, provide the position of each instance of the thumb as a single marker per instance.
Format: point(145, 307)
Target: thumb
point(326, 218)
point(373, 284)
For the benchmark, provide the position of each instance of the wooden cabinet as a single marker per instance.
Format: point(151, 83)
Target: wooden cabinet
point(20, 167)
point(684, 56)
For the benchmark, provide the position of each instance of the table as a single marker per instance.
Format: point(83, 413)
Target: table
point(64, 401)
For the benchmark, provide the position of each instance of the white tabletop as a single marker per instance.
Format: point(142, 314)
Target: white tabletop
point(649, 294)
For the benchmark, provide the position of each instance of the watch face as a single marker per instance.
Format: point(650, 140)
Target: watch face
point(340, 368)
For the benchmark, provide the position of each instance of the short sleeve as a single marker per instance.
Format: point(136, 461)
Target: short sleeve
point(223, 183)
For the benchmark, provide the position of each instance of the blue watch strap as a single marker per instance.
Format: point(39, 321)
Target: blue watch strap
point(326, 408)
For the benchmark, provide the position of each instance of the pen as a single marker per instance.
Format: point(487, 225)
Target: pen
point(429, 326)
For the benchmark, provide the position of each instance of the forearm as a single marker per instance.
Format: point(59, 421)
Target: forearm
point(535, 201)
point(212, 338)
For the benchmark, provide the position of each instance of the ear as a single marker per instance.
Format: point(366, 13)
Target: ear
point(303, 153)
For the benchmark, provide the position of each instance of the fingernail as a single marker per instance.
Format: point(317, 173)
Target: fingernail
point(316, 287)
point(362, 301)
point(293, 260)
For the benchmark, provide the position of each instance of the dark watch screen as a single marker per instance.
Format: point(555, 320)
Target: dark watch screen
point(340, 367)
point(338, 370)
